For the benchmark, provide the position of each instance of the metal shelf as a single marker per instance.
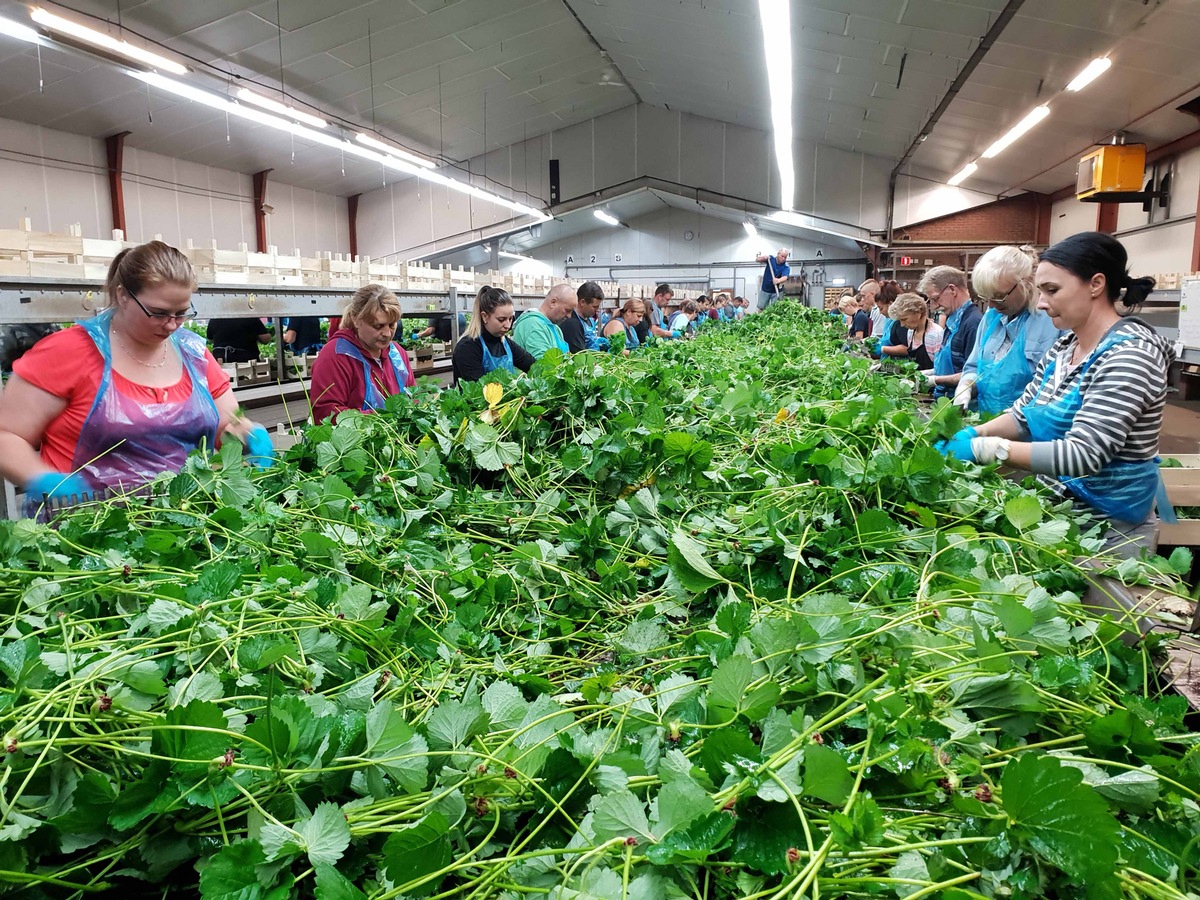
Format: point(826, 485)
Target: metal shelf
point(41, 300)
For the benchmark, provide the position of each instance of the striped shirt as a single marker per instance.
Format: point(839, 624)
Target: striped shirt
point(1123, 396)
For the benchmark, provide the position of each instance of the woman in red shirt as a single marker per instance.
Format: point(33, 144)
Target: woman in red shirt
point(124, 396)
point(360, 366)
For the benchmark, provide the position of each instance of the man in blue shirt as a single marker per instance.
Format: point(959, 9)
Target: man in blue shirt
point(775, 276)
point(946, 288)
point(580, 327)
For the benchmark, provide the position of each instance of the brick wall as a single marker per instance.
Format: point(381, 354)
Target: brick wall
point(1015, 220)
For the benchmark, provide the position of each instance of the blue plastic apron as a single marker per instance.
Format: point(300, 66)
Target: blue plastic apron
point(632, 341)
point(943, 360)
point(373, 397)
point(491, 363)
point(1123, 490)
point(1001, 381)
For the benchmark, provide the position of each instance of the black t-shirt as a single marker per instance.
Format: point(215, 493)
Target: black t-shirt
point(861, 322)
point(572, 329)
point(643, 327)
point(442, 330)
point(235, 340)
point(308, 332)
point(468, 356)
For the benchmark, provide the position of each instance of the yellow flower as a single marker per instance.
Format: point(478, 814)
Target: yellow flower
point(492, 394)
point(781, 416)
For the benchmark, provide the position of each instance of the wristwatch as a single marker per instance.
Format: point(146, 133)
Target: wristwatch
point(1002, 450)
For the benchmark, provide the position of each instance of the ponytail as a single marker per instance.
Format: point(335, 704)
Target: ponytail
point(1136, 291)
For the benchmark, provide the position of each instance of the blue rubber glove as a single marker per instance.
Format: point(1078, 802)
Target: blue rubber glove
point(416, 335)
point(676, 334)
point(54, 485)
point(262, 453)
point(958, 446)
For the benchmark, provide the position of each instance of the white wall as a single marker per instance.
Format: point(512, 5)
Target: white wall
point(182, 200)
point(920, 198)
point(306, 220)
point(57, 179)
point(1068, 217)
point(635, 142)
point(52, 195)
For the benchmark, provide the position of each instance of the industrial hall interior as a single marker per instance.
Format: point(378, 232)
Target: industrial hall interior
point(599, 449)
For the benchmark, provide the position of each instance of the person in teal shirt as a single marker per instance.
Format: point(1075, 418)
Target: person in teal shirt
point(537, 330)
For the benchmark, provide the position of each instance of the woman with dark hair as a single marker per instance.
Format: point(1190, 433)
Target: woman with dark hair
point(1088, 422)
point(486, 346)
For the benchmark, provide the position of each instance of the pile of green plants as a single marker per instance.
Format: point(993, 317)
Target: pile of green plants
point(712, 621)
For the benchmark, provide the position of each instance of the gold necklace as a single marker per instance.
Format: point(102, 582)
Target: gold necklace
point(129, 353)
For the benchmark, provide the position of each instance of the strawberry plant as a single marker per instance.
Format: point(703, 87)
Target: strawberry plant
point(710, 621)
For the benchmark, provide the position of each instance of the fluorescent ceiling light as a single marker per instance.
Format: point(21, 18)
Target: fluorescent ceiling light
point(508, 255)
point(106, 42)
point(966, 172)
point(282, 109)
point(775, 18)
point(1017, 130)
point(605, 217)
point(751, 231)
point(19, 31)
point(395, 151)
point(220, 102)
point(1091, 72)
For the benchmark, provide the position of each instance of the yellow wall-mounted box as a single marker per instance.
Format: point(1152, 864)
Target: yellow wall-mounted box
point(1113, 167)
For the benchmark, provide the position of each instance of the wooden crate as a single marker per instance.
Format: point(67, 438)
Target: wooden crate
point(460, 280)
point(216, 266)
point(1183, 489)
point(423, 278)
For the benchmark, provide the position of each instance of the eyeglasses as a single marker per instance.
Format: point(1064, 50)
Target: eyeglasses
point(1004, 296)
point(177, 317)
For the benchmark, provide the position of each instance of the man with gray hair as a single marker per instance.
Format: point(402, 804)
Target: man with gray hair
point(537, 330)
point(775, 276)
point(946, 288)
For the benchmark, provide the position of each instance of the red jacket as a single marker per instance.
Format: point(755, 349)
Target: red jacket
point(337, 378)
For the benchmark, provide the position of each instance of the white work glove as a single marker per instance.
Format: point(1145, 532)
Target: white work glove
point(965, 392)
point(984, 449)
point(927, 374)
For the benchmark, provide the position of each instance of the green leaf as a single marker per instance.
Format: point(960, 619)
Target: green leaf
point(641, 638)
point(327, 834)
point(262, 651)
point(1180, 561)
point(861, 828)
point(455, 722)
point(728, 750)
point(232, 873)
point(686, 557)
point(695, 842)
point(192, 735)
point(910, 865)
point(826, 775)
point(333, 885)
point(678, 803)
point(488, 450)
point(416, 852)
point(763, 836)
point(729, 695)
point(1063, 820)
point(1023, 512)
point(142, 798)
point(393, 746)
point(621, 815)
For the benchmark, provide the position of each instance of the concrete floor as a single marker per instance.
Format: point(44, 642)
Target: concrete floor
point(1181, 428)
